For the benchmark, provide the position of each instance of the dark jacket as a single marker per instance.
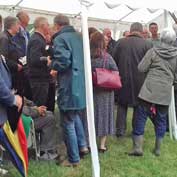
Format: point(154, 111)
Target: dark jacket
point(6, 97)
point(110, 47)
point(127, 55)
point(19, 39)
point(12, 52)
point(69, 62)
point(159, 64)
point(38, 70)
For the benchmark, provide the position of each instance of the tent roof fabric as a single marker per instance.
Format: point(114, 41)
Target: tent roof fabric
point(113, 10)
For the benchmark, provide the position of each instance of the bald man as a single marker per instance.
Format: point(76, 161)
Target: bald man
point(22, 38)
point(111, 41)
point(38, 62)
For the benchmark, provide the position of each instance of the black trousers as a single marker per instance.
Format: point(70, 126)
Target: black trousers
point(51, 97)
point(39, 92)
point(121, 122)
point(27, 89)
point(43, 94)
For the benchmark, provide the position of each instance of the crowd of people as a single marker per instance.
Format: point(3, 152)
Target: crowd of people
point(32, 66)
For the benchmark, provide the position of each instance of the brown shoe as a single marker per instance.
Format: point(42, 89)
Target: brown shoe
point(66, 163)
point(83, 152)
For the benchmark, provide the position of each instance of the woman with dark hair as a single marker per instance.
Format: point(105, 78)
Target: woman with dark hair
point(91, 30)
point(103, 99)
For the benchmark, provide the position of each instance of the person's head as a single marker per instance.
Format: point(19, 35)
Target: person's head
point(145, 33)
point(126, 33)
point(50, 34)
point(91, 30)
point(153, 28)
point(41, 25)
point(11, 24)
point(107, 32)
point(175, 28)
point(23, 18)
point(106, 40)
point(136, 28)
point(0, 23)
point(168, 36)
point(97, 44)
point(60, 21)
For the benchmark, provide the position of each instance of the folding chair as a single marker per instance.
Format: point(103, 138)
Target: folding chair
point(32, 143)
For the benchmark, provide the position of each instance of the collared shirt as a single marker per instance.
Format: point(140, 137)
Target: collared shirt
point(24, 33)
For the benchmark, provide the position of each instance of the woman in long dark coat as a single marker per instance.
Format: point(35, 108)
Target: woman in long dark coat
point(103, 99)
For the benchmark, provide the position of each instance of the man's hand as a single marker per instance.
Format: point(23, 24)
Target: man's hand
point(53, 73)
point(18, 102)
point(49, 61)
point(42, 110)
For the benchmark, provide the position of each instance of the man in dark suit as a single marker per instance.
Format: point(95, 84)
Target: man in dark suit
point(38, 62)
point(111, 41)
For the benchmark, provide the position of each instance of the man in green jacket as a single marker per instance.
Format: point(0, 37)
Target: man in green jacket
point(68, 61)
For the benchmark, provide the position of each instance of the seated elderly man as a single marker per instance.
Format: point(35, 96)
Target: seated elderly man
point(44, 123)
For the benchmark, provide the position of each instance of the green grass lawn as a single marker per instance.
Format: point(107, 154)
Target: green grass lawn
point(115, 162)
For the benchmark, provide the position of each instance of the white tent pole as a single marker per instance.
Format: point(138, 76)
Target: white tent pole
point(89, 93)
point(172, 117)
point(166, 22)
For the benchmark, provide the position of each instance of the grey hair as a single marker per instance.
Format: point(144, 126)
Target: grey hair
point(61, 20)
point(175, 28)
point(39, 22)
point(168, 36)
point(21, 14)
point(136, 27)
point(9, 22)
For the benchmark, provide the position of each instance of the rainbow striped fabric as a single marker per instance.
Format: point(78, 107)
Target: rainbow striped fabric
point(16, 144)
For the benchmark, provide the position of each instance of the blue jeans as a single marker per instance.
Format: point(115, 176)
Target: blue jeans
point(159, 120)
point(74, 135)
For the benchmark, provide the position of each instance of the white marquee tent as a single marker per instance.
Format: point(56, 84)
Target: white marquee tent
point(100, 9)
point(112, 10)
point(116, 14)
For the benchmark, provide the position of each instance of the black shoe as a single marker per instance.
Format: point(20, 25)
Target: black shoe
point(84, 153)
point(103, 150)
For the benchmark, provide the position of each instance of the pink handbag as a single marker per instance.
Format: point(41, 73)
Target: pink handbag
point(105, 78)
